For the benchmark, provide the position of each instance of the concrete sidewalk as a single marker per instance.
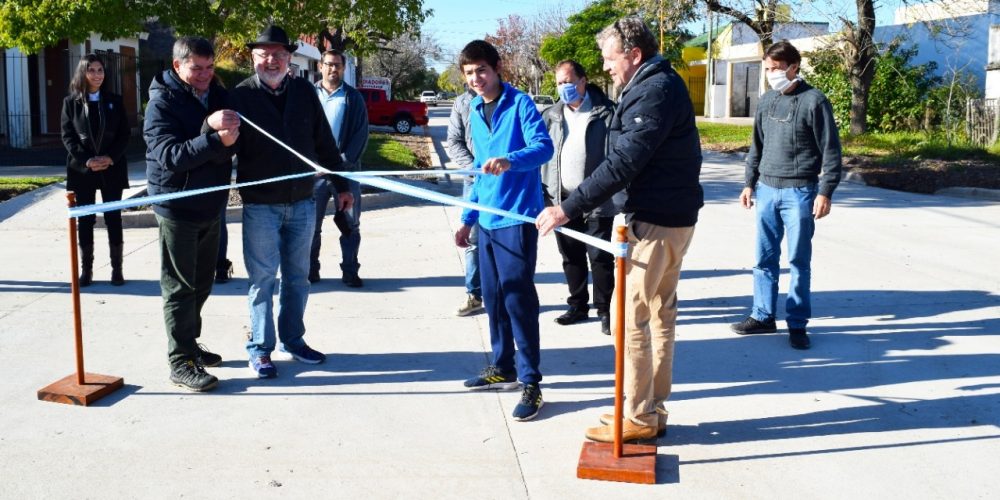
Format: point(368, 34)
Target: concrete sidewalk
point(900, 395)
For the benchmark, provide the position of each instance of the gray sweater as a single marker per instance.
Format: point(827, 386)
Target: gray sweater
point(795, 141)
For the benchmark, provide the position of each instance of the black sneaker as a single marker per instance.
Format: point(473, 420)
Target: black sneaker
point(798, 339)
point(751, 326)
point(531, 402)
point(206, 358)
point(492, 378)
point(192, 377)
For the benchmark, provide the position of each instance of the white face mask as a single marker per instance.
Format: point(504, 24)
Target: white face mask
point(778, 80)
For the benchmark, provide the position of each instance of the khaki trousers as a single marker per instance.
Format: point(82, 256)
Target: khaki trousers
point(652, 270)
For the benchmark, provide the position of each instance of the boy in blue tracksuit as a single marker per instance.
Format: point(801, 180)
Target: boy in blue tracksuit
point(510, 143)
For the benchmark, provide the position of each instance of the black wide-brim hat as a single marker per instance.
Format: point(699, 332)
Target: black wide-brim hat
point(273, 35)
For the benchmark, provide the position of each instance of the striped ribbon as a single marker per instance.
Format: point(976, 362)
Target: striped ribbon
point(371, 178)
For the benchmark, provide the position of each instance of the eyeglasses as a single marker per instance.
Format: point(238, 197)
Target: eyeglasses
point(332, 64)
point(277, 55)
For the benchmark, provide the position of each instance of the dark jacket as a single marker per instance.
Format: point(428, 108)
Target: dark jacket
point(597, 143)
point(181, 155)
point(353, 137)
point(82, 143)
point(795, 142)
point(303, 127)
point(655, 154)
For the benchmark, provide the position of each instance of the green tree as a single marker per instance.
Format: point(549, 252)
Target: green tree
point(578, 42)
point(362, 26)
point(451, 80)
point(32, 25)
point(900, 92)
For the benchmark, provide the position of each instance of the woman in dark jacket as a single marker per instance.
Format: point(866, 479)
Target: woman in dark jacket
point(95, 132)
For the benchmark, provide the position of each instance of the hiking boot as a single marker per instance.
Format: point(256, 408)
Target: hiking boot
point(751, 326)
point(798, 339)
point(492, 378)
point(661, 424)
point(223, 273)
point(305, 354)
point(192, 377)
point(630, 432)
point(572, 315)
point(263, 367)
point(531, 402)
point(117, 278)
point(206, 358)
point(470, 306)
point(86, 265)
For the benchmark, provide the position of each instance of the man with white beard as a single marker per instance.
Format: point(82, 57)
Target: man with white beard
point(279, 217)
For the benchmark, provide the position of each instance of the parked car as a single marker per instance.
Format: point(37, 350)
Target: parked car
point(542, 101)
point(429, 97)
point(400, 115)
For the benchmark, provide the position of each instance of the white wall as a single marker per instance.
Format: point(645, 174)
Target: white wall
point(959, 44)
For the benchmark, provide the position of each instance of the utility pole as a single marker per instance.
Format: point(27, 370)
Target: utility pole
point(709, 71)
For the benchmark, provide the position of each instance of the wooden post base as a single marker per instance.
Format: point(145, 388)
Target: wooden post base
point(636, 465)
point(67, 391)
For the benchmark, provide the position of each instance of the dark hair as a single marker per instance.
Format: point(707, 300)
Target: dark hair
point(783, 51)
point(334, 53)
point(631, 32)
point(187, 46)
point(78, 84)
point(479, 50)
point(577, 67)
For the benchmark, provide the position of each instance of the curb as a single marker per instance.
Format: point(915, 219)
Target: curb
point(970, 192)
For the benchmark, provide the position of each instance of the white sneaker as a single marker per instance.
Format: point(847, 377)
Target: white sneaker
point(471, 305)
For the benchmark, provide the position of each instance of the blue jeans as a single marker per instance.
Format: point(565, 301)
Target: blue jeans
point(277, 236)
point(508, 271)
point(782, 212)
point(349, 224)
point(473, 283)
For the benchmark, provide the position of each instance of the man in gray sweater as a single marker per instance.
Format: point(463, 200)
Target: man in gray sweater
point(794, 166)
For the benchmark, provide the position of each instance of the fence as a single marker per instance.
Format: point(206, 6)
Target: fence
point(32, 89)
point(981, 125)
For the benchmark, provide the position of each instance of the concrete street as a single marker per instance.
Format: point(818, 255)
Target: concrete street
point(898, 398)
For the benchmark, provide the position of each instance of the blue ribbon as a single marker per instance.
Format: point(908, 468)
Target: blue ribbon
point(371, 178)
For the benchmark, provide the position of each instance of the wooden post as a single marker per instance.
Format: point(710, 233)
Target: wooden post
point(616, 461)
point(80, 388)
point(619, 343)
point(75, 291)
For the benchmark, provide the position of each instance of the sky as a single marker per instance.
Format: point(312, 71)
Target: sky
point(453, 23)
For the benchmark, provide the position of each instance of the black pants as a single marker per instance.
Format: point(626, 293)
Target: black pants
point(112, 220)
point(188, 251)
point(575, 255)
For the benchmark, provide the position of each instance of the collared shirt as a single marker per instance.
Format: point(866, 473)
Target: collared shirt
point(335, 106)
point(573, 154)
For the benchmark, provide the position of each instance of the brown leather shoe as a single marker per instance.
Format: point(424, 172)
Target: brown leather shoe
point(661, 426)
point(630, 433)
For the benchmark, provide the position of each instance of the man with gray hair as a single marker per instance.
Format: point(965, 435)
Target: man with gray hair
point(279, 218)
point(656, 157)
point(188, 136)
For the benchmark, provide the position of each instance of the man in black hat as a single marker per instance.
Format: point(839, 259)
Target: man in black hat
point(279, 217)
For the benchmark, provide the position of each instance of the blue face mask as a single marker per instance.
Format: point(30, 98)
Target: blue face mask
point(568, 93)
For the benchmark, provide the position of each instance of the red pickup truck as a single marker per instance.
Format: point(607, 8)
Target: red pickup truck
point(400, 115)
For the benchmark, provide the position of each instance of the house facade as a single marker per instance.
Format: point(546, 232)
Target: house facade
point(33, 86)
point(952, 33)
